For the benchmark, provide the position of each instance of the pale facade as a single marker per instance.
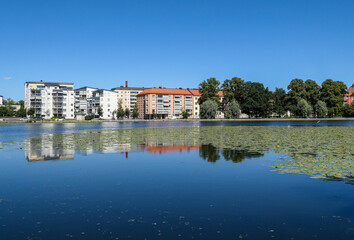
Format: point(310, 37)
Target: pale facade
point(1, 100)
point(127, 95)
point(82, 98)
point(107, 100)
point(49, 99)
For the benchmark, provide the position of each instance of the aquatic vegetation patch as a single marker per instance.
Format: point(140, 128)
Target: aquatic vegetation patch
point(322, 152)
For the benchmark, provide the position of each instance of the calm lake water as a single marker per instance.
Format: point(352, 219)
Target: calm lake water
point(162, 191)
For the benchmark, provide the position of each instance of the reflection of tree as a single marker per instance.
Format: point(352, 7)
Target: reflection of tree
point(209, 153)
point(212, 154)
point(237, 156)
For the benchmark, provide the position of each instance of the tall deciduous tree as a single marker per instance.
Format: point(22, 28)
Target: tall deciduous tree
point(332, 93)
point(135, 113)
point(21, 112)
point(296, 92)
point(233, 89)
point(233, 109)
point(208, 109)
point(311, 92)
point(304, 109)
point(256, 103)
point(30, 112)
point(320, 109)
point(278, 101)
point(209, 90)
point(120, 111)
point(127, 112)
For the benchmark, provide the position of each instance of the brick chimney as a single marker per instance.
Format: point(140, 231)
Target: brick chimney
point(126, 83)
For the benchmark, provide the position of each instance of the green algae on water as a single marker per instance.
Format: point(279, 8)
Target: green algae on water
point(321, 152)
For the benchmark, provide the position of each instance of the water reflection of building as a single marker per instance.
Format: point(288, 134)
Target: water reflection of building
point(41, 149)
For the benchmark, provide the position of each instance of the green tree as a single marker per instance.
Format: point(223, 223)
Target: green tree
point(209, 91)
point(208, 109)
point(348, 110)
point(278, 101)
point(3, 111)
point(256, 103)
point(21, 103)
point(153, 115)
point(303, 109)
point(332, 93)
point(233, 89)
point(296, 92)
point(185, 114)
point(9, 102)
point(135, 113)
point(21, 112)
point(120, 112)
point(127, 112)
point(311, 92)
point(30, 112)
point(233, 109)
point(100, 111)
point(321, 109)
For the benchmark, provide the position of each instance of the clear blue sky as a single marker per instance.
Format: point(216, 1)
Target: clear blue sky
point(174, 43)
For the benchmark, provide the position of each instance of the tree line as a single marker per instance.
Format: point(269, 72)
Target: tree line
point(303, 99)
point(7, 110)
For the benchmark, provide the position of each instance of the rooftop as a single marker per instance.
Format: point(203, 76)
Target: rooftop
point(128, 88)
point(173, 91)
point(50, 83)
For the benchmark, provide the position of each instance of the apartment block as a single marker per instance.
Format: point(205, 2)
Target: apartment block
point(1, 100)
point(170, 103)
point(50, 99)
point(128, 95)
point(107, 100)
point(349, 97)
point(83, 99)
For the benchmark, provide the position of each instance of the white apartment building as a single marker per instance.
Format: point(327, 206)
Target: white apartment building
point(128, 95)
point(50, 99)
point(82, 98)
point(1, 100)
point(107, 100)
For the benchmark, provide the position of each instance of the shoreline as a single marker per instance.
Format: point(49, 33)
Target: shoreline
point(16, 121)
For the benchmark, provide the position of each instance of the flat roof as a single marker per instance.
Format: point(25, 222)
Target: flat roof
point(85, 87)
point(52, 83)
point(129, 88)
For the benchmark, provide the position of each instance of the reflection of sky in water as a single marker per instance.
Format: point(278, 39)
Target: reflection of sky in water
point(172, 195)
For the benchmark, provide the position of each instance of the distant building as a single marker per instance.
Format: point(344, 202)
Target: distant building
point(1, 100)
point(349, 97)
point(128, 95)
point(82, 98)
point(88, 100)
point(169, 103)
point(50, 99)
point(107, 100)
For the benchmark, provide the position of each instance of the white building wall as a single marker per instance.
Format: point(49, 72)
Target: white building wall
point(1, 100)
point(50, 99)
point(109, 104)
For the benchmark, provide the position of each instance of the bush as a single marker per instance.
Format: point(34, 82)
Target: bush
point(233, 110)
point(89, 117)
point(303, 109)
point(321, 109)
point(208, 109)
point(348, 110)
